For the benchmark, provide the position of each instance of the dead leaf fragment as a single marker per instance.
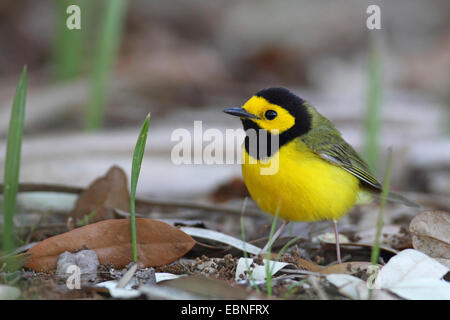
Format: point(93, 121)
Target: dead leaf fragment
point(258, 271)
point(222, 238)
point(342, 268)
point(412, 274)
point(208, 288)
point(357, 289)
point(9, 292)
point(346, 267)
point(103, 196)
point(431, 233)
point(158, 244)
point(392, 236)
point(233, 189)
point(308, 265)
point(329, 237)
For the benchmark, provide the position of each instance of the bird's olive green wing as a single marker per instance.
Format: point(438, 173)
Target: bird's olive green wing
point(329, 145)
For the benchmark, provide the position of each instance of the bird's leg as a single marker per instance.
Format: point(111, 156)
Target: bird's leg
point(338, 248)
point(275, 236)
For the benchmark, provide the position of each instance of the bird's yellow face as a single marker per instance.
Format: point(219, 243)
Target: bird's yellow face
point(279, 113)
point(270, 117)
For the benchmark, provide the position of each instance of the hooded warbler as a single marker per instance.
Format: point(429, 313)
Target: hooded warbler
point(319, 175)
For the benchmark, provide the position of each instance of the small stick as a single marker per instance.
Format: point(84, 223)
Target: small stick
point(127, 276)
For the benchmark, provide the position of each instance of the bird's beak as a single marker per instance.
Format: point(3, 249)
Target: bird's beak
point(240, 112)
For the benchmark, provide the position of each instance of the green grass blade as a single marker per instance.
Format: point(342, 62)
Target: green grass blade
point(268, 255)
point(373, 113)
point(12, 162)
point(109, 39)
point(380, 220)
point(68, 44)
point(249, 270)
point(284, 248)
point(135, 170)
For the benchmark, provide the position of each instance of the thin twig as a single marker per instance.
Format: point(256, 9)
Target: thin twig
point(127, 276)
point(303, 272)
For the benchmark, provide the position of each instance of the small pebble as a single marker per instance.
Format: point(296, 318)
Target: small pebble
point(85, 260)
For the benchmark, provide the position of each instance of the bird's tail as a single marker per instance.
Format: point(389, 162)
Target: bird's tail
point(395, 197)
point(365, 197)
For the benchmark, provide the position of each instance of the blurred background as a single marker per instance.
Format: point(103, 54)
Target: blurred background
point(89, 90)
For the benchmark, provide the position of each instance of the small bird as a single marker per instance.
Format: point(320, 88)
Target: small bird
point(320, 176)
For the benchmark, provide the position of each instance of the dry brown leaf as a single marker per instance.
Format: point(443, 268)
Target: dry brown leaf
point(431, 233)
point(392, 236)
point(232, 189)
point(158, 244)
point(102, 196)
point(210, 288)
point(308, 265)
point(345, 268)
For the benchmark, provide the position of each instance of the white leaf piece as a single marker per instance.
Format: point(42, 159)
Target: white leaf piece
point(350, 286)
point(46, 201)
point(222, 238)
point(258, 271)
point(128, 292)
point(355, 288)
point(329, 237)
point(124, 293)
point(412, 274)
point(8, 292)
point(164, 276)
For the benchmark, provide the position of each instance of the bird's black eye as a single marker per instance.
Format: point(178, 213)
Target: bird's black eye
point(270, 114)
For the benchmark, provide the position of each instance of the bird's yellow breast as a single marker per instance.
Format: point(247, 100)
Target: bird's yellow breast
point(305, 187)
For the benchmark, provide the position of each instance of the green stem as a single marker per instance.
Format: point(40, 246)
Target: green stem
point(68, 44)
point(135, 171)
point(12, 162)
point(106, 55)
point(373, 106)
